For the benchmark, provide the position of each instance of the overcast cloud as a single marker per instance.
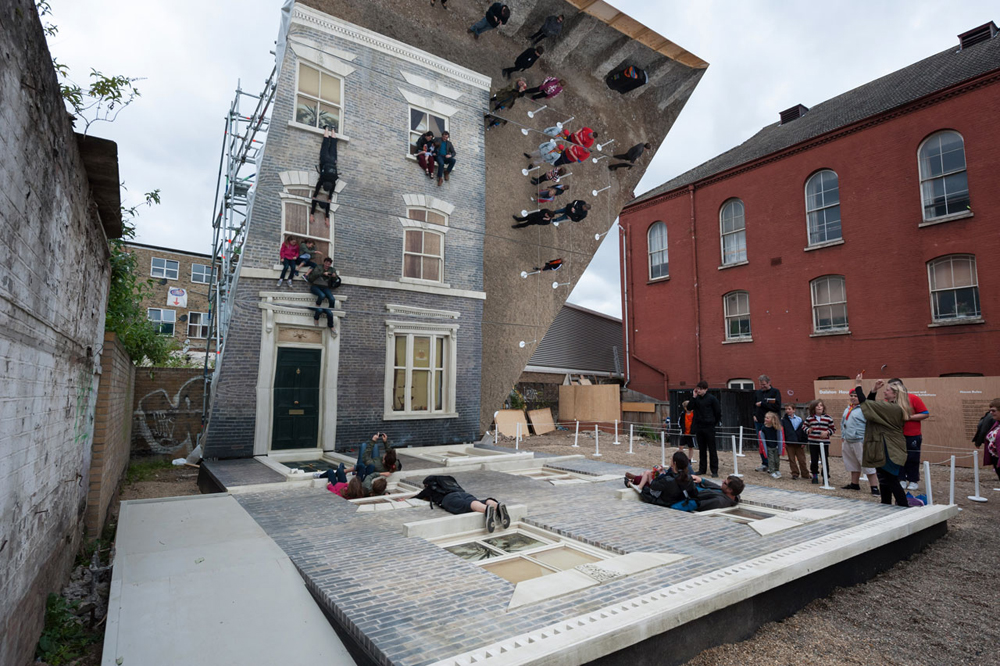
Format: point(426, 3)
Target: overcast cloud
point(765, 57)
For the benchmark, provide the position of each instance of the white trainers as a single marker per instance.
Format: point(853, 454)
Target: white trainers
point(775, 475)
point(279, 283)
point(318, 475)
point(913, 486)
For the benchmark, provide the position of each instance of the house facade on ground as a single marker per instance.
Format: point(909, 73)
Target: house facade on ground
point(855, 235)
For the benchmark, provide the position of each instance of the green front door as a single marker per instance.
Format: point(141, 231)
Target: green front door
point(296, 399)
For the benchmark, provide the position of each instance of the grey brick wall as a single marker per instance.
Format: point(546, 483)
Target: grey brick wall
point(368, 243)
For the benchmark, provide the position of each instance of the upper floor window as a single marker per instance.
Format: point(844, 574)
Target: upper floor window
point(319, 101)
point(829, 303)
point(164, 268)
point(740, 384)
point(954, 287)
point(163, 320)
point(201, 274)
point(296, 201)
point(657, 242)
point(823, 207)
point(734, 235)
point(944, 186)
point(421, 121)
point(737, 311)
point(197, 325)
point(423, 255)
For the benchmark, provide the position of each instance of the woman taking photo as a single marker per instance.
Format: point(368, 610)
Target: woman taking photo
point(884, 445)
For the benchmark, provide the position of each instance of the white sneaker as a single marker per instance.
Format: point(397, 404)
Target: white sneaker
point(279, 283)
point(913, 486)
point(776, 475)
point(317, 475)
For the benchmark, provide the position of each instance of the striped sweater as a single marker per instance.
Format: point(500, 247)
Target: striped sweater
point(819, 428)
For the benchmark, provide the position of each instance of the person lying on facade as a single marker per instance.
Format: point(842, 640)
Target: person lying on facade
point(353, 489)
point(445, 492)
point(673, 487)
point(369, 467)
point(327, 181)
point(713, 496)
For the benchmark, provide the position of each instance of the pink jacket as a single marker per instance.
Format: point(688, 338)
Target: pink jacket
point(289, 251)
point(550, 86)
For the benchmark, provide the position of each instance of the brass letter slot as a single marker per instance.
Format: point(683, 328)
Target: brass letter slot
point(296, 412)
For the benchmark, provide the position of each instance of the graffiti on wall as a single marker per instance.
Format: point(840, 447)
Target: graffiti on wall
point(167, 424)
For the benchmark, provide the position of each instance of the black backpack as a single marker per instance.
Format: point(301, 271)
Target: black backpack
point(436, 486)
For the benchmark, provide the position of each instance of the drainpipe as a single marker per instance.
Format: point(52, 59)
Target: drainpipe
point(666, 377)
point(697, 293)
point(624, 243)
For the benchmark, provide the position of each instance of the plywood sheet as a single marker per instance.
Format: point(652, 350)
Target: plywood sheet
point(599, 403)
point(507, 420)
point(639, 407)
point(541, 420)
point(955, 404)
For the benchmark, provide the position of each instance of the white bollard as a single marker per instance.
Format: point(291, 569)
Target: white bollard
point(616, 433)
point(826, 476)
point(597, 442)
point(517, 440)
point(951, 483)
point(927, 483)
point(496, 433)
point(663, 449)
point(975, 466)
point(736, 464)
point(740, 454)
point(630, 427)
point(576, 437)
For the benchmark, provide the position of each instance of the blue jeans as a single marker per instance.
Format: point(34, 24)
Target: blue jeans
point(481, 26)
point(443, 162)
point(335, 475)
point(360, 468)
point(324, 311)
point(289, 265)
point(323, 292)
point(562, 215)
point(911, 470)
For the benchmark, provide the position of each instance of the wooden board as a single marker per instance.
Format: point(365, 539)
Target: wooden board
point(507, 420)
point(541, 420)
point(955, 404)
point(639, 407)
point(598, 403)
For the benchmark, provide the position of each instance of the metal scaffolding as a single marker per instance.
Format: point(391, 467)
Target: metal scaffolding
point(242, 147)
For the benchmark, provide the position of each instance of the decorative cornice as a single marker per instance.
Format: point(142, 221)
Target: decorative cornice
point(314, 19)
point(421, 312)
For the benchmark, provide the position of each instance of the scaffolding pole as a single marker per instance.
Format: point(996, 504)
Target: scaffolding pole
point(242, 146)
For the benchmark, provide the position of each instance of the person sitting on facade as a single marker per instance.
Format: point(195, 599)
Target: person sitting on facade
point(369, 468)
point(323, 280)
point(289, 253)
point(575, 211)
point(445, 156)
point(307, 256)
point(713, 496)
point(445, 492)
point(539, 217)
point(674, 488)
point(327, 175)
point(426, 157)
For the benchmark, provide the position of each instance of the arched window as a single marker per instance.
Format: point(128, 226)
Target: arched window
point(732, 226)
point(944, 186)
point(823, 207)
point(829, 303)
point(657, 243)
point(954, 287)
point(737, 310)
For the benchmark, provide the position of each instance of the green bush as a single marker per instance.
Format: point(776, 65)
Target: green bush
point(143, 470)
point(64, 638)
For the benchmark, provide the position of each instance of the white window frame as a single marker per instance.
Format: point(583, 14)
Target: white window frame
point(203, 317)
point(424, 226)
point(288, 198)
point(822, 208)
point(295, 102)
point(165, 271)
point(925, 179)
point(665, 250)
point(447, 332)
point(422, 254)
point(410, 140)
point(813, 286)
point(730, 316)
point(736, 233)
point(161, 321)
point(951, 258)
point(740, 384)
point(207, 274)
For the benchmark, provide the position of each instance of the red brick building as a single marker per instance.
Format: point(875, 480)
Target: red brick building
point(864, 231)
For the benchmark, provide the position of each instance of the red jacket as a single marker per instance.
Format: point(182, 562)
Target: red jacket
point(289, 251)
point(575, 153)
point(780, 440)
point(582, 137)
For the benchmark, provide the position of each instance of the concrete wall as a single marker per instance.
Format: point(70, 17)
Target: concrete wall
point(53, 255)
point(112, 432)
point(883, 259)
point(166, 412)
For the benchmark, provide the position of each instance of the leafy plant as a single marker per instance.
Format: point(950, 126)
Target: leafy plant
point(648, 432)
point(516, 400)
point(64, 637)
point(144, 470)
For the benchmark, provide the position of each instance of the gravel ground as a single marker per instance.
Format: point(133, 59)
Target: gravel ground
point(937, 607)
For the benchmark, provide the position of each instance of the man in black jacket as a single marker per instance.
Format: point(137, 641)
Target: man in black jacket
point(707, 413)
point(445, 156)
point(524, 61)
point(497, 14)
point(631, 156)
point(551, 28)
point(766, 399)
point(539, 217)
point(576, 211)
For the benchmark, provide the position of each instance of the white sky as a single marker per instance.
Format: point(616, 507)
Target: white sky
point(765, 57)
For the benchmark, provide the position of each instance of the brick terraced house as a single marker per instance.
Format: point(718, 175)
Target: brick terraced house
point(859, 233)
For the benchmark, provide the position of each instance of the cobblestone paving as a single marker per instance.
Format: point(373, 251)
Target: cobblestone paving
point(409, 602)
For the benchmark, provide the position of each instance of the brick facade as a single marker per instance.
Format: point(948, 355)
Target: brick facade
point(677, 324)
point(166, 412)
point(197, 292)
point(367, 242)
point(112, 432)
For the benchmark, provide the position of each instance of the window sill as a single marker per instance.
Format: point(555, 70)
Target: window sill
point(665, 278)
point(429, 283)
point(947, 218)
point(316, 130)
point(737, 341)
point(820, 246)
point(733, 265)
point(417, 416)
point(957, 322)
point(826, 334)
